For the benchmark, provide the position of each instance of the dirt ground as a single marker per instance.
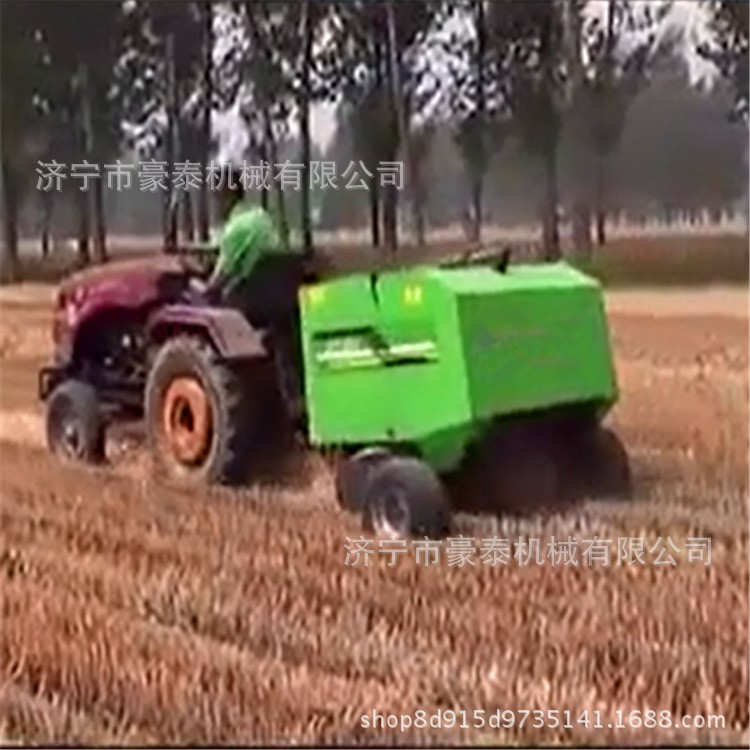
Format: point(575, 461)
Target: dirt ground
point(134, 611)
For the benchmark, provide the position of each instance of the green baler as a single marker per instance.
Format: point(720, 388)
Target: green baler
point(429, 357)
point(429, 360)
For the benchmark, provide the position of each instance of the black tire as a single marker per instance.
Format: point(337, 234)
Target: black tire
point(74, 425)
point(233, 425)
point(405, 497)
point(530, 478)
point(612, 472)
point(597, 463)
point(514, 469)
point(353, 474)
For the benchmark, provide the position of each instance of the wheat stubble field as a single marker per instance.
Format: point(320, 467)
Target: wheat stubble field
point(137, 612)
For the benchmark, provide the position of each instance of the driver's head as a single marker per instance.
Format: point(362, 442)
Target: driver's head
point(232, 192)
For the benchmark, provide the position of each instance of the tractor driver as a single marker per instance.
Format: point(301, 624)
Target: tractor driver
point(249, 233)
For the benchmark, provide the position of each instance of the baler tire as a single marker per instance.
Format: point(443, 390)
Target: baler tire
point(613, 473)
point(529, 478)
point(73, 413)
point(514, 470)
point(411, 487)
point(232, 423)
point(353, 474)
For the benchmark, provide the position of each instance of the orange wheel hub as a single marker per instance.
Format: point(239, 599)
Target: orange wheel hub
point(186, 420)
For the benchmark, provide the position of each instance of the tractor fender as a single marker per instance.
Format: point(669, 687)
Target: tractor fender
point(226, 329)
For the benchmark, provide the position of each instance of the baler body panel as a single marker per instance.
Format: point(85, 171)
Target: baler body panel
point(533, 338)
point(430, 356)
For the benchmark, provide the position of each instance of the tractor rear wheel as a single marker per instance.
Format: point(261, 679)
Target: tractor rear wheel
point(199, 415)
point(404, 497)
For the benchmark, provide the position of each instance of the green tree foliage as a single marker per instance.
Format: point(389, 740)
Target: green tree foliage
point(528, 48)
point(729, 50)
point(20, 68)
point(59, 76)
point(537, 102)
point(163, 90)
point(276, 64)
point(379, 79)
point(611, 74)
point(473, 99)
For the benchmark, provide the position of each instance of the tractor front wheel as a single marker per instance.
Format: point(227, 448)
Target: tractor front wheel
point(75, 429)
point(198, 413)
point(404, 497)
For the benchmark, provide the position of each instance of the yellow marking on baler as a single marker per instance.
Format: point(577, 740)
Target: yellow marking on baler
point(413, 295)
point(316, 295)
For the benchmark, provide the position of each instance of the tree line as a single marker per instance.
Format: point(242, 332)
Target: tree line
point(83, 80)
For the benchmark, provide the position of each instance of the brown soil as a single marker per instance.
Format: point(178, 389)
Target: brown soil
point(138, 612)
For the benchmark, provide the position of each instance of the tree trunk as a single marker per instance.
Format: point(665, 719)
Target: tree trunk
point(551, 229)
point(188, 226)
point(419, 221)
point(100, 229)
point(420, 150)
point(376, 207)
point(304, 129)
point(84, 224)
point(9, 260)
point(600, 200)
point(46, 200)
point(478, 180)
point(374, 210)
point(264, 193)
point(87, 144)
point(204, 218)
point(390, 217)
point(305, 151)
point(601, 203)
point(273, 153)
point(477, 194)
point(82, 136)
point(170, 205)
point(390, 193)
point(419, 191)
point(581, 229)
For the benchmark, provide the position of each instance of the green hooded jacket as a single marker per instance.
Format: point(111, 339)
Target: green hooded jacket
point(248, 234)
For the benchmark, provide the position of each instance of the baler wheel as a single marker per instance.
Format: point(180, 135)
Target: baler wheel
point(529, 478)
point(405, 497)
point(514, 470)
point(610, 465)
point(354, 472)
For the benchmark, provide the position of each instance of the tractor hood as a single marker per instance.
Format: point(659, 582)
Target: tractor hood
point(124, 281)
point(111, 288)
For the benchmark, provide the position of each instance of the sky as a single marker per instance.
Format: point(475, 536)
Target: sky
point(686, 19)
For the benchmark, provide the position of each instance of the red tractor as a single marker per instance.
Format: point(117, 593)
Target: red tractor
point(130, 339)
point(411, 373)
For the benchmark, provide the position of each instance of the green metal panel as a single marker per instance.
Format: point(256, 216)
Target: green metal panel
point(429, 356)
point(533, 338)
point(382, 360)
